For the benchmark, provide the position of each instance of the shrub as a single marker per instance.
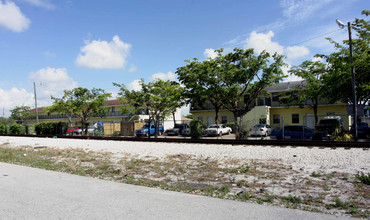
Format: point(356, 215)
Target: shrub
point(3, 129)
point(15, 129)
point(196, 129)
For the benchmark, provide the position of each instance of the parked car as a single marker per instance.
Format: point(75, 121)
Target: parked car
point(90, 130)
point(261, 130)
point(74, 130)
point(330, 125)
point(298, 132)
point(186, 131)
point(177, 130)
point(217, 130)
point(147, 130)
point(363, 129)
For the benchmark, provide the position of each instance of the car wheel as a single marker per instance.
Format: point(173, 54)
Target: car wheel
point(279, 137)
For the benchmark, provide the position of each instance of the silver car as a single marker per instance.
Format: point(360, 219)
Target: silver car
point(261, 130)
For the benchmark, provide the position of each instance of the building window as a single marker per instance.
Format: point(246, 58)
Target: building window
point(223, 119)
point(275, 97)
point(295, 118)
point(276, 119)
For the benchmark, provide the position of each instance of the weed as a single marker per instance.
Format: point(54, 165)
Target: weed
point(291, 199)
point(314, 174)
point(363, 178)
point(326, 187)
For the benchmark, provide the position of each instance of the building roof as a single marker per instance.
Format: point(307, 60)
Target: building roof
point(286, 86)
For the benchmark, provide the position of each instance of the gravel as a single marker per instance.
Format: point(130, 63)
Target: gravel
point(310, 159)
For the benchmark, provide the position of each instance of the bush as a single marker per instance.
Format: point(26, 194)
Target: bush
point(196, 129)
point(15, 129)
point(51, 128)
point(3, 129)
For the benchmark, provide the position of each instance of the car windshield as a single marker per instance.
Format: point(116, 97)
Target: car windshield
point(213, 126)
point(259, 126)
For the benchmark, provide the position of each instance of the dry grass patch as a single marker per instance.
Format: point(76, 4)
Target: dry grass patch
point(267, 181)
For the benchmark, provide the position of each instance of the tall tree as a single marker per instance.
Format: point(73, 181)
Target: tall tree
point(338, 79)
point(236, 79)
point(160, 98)
point(82, 103)
point(20, 113)
point(201, 83)
point(311, 88)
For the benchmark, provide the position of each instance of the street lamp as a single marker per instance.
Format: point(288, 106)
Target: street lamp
point(37, 111)
point(354, 100)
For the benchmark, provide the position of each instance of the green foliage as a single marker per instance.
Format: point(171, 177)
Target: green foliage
point(160, 98)
point(20, 113)
point(51, 128)
point(82, 103)
point(6, 121)
point(3, 129)
point(196, 129)
point(363, 178)
point(231, 81)
point(338, 80)
point(291, 199)
point(15, 129)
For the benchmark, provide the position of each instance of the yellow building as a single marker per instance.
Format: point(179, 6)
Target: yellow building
point(268, 109)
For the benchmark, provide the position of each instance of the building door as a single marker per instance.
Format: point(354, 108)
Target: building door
point(210, 120)
point(310, 121)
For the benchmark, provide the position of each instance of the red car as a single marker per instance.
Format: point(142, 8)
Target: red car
point(75, 130)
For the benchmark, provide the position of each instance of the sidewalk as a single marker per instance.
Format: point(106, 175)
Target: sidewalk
point(29, 193)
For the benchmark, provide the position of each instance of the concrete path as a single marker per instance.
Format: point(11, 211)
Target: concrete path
point(29, 193)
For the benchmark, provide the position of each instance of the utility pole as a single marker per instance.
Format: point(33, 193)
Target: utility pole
point(354, 98)
point(37, 111)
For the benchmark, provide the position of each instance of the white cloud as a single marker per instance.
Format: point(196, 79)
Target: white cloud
point(297, 10)
point(296, 52)
point(210, 53)
point(104, 55)
point(134, 85)
point(52, 82)
point(164, 76)
point(12, 18)
point(9, 99)
point(132, 69)
point(41, 3)
point(260, 42)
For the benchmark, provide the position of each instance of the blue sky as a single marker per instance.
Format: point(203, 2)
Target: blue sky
point(65, 44)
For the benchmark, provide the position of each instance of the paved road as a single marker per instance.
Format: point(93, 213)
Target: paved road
point(29, 193)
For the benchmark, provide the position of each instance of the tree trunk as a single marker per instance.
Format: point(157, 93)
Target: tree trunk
point(236, 127)
point(149, 127)
point(217, 109)
point(315, 108)
point(174, 119)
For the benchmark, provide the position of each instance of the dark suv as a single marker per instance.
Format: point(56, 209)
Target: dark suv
point(298, 132)
point(177, 129)
point(330, 125)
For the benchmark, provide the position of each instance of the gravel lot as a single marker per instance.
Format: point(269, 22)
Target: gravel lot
point(313, 179)
point(310, 159)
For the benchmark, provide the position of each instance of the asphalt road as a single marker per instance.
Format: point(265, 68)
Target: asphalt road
point(29, 193)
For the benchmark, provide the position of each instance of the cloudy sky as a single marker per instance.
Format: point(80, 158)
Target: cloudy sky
point(64, 44)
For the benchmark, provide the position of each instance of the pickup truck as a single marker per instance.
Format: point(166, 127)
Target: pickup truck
point(147, 130)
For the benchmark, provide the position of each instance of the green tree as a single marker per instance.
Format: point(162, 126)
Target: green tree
point(234, 80)
point(159, 98)
point(338, 79)
point(311, 88)
point(20, 113)
point(82, 103)
point(6, 121)
point(202, 83)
